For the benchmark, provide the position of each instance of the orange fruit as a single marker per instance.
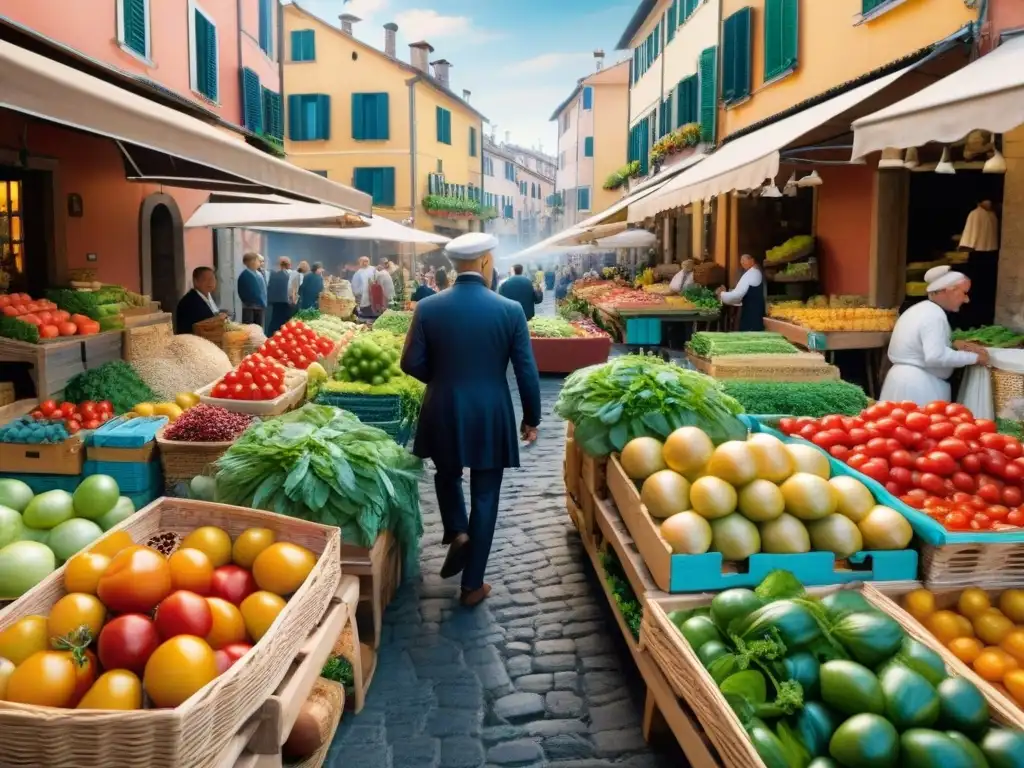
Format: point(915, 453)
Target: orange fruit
point(966, 629)
point(973, 602)
point(113, 543)
point(967, 649)
point(1013, 644)
point(1011, 603)
point(1014, 682)
point(991, 627)
point(945, 625)
point(992, 665)
point(83, 572)
point(920, 604)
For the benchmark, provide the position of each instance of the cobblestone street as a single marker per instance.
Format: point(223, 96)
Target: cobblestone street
point(536, 675)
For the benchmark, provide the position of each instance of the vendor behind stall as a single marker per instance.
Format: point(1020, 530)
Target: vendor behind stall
point(748, 295)
point(682, 279)
point(920, 351)
point(198, 304)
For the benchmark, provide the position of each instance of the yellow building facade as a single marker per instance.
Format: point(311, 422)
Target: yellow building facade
point(392, 128)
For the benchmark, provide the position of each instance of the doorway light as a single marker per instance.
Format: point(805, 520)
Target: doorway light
point(995, 164)
point(945, 167)
point(811, 180)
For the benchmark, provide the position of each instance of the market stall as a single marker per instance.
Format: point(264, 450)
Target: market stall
point(563, 346)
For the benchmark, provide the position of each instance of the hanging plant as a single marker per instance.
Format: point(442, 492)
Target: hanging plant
point(682, 138)
point(452, 207)
point(619, 177)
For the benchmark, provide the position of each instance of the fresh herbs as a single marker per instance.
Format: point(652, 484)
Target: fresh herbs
point(814, 399)
point(990, 336)
point(702, 297)
point(115, 381)
point(339, 669)
point(551, 328)
point(710, 345)
point(305, 315)
point(76, 302)
point(19, 330)
point(634, 395)
point(625, 599)
point(409, 390)
point(393, 321)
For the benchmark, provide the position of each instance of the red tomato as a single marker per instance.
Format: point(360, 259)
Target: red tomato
point(858, 436)
point(901, 475)
point(981, 522)
point(992, 440)
point(67, 410)
point(942, 463)
point(48, 406)
point(183, 613)
point(894, 488)
point(66, 328)
point(886, 425)
point(966, 431)
point(232, 583)
point(956, 521)
point(971, 463)
point(135, 581)
point(1012, 496)
point(1013, 472)
point(127, 642)
point(72, 426)
point(985, 425)
point(994, 464)
point(932, 483)
point(48, 331)
point(954, 447)
point(938, 406)
point(940, 430)
point(1012, 448)
point(857, 460)
point(1016, 517)
point(877, 448)
point(990, 493)
point(901, 458)
point(876, 469)
point(38, 415)
point(229, 654)
point(905, 436)
point(914, 502)
point(91, 424)
point(105, 406)
point(964, 482)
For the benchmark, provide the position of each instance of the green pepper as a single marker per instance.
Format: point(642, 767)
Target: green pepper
point(804, 669)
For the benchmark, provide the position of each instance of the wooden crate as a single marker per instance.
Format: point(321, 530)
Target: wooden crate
point(65, 458)
point(380, 572)
point(587, 506)
point(102, 348)
point(951, 566)
point(594, 472)
point(53, 364)
point(571, 468)
point(821, 341)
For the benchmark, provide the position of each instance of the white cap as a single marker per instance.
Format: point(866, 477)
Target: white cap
point(941, 278)
point(470, 246)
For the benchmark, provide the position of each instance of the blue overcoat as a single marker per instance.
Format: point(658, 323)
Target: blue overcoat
point(519, 288)
point(460, 345)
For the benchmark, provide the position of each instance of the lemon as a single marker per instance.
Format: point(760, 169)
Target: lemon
point(144, 409)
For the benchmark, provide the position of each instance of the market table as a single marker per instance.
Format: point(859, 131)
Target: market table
point(56, 361)
point(644, 323)
point(871, 343)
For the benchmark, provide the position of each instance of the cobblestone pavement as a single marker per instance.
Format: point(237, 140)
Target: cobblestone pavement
point(536, 675)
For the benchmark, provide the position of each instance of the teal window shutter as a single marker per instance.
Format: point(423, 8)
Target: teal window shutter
point(323, 114)
point(387, 194)
point(781, 37)
point(472, 141)
point(672, 19)
point(379, 183)
point(205, 56)
point(272, 113)
point(691, 7)
point(252, 101)
point(444, 125)
point(296, 126)
point(588, 146)
point(867, 6)
point(583, 198)
point(588, 97)
point(687, 96)
point(303, 45)
point(736, 46)
point(359, 116)
point(134, 27)
point(370, 117)
point(708, 94)
point(267, 25)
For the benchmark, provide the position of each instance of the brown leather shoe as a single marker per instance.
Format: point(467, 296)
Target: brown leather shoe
point(458, 553)
point(471, 598)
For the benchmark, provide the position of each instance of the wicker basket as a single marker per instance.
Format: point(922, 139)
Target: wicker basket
point(332, 305)
point(146, 341)
point(211, 330)
point(194, 734)
point(6, 393)
point(708, 273)
point(182, 460)
point(335, 695)
point(968, 565)
point(233, 345)
point(1006, 387)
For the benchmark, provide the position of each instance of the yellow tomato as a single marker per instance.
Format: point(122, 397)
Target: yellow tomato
point(214, 541)
point(966, 628)
point(967, 649)
point(83, 572)
point(46, 679)
point(945, 625)
point(1014, 682)
point(191, 569)
point(23, 638)
point(6, 670)
point(228, 624)
point(920, 604)
point(282, 567)
point(117, 689)
point(259, 611)
point(992, 627)
point(992, 664)
point(74, 611)
point(177, 669)
point(973, 602)
point(1011, 602)
point(1013, 644)
point(113, 543)
point(249, 544)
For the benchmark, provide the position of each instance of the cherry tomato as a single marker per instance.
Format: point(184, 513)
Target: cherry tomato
point(787, 425)
point(117, 689)
point(49, 407)
point(135, 581)
point(127, 642)
point(259, 610)
point(46, 679)
point(808, 431)
point(1013, 472)
point(914, 502)
point(932, 483)
point(992, 440)
point(839, 451)
point(1016, 517)
point(981, 522)
point(967, 431)
point(985, 425)
point(901, 475)
point(73, 611)
point(876, 469)
point(191, 569)
point(177, 669)
point(917, 422)
point(1012, 448)
point(228, 624)
point(994, 464)
point(940, 430)
point(956, 521)
point(1012, 497)
point(997, 512)
point(67, 410)
point(858, 436)
point(901, 458)
point(942, 463)
point(857, 460)
point(183, 613)
point(964, 482)
point(971, 463)
point(894, 488)
point(935, 407)
point(954, 447)
point(990, 493)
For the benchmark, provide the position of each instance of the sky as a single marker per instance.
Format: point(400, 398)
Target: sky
point(520, 60)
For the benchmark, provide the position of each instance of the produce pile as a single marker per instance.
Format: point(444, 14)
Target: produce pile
point(838, 682)
point(938, 458)
point(711, 345)
point(99, 302)
point(636, 395)
point(256, 378)
point(394, 321)
point(371, 358)
point(758, 495)
point(587, 327)
point(102, 646)
point(115, 382)
point(183, 363)
point(622, 592)
point(39, 532)
point(208, 424)
point(609, 294)
point(27, 319)
point(551, 328)
point(796, 269)
point(183, 401)
point(790, 248)
point(322, 464)
point(334, 328)
point(836, 319)
point(296, 345)
point(702, 297)
point(813, 399)
point(989, 638)
point(54, 422)
point(991, 336)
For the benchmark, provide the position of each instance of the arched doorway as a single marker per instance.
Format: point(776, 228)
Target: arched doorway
point(162, 250)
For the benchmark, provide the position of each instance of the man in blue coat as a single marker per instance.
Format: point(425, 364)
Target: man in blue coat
point(519, 288)
point(252, 290)
point(460, 345)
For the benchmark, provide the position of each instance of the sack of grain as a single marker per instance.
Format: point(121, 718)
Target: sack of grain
point(186, 363)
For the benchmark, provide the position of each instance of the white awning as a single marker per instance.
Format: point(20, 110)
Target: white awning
point(160, 144)
point(987, 94)
point(272, 211)
point(631, 238)
point(749, 160)
point(378, 228)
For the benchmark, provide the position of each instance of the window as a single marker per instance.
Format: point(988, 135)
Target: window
point(708, 94)
point(272, 123)
point(252, 101)
point(583, 199)
point(444, 126)
point(309, 117)
point(303, 45)
point(370, 117)
point(687, 101)
point(522, 188)
point(588, 97)
point(645, 55)
point(267, 8)
point(689, 7)
point(133, 26)
point(673, 19)
point(736, 57)
point(488, 166)
point(781, 31)
point(202, 52)
point(376, 182)
point(640, 144)
point(320, 173)
point(588, 146)
point(12, 230)
point(510, 171)
point(472, 141)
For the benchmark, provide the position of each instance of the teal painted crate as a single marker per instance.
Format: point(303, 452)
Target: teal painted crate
point(371, 409)
point(131, 476)
point(127, 433)
point(43, 483)
point(643, 330)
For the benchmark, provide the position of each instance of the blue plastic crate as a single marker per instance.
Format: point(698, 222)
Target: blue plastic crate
point(43, 483)
point(127, 433)
point(400, 431)
point(370, 409)
point(643, 330)
point(131, 476)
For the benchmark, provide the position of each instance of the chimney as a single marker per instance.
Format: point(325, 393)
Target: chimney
point(441, 67)
point(418, 55)
point(465, 95)
point(389, 38)
point(599, 59)
point(347, 20)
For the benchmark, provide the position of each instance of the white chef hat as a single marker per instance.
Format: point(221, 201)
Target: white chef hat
point(941, 278)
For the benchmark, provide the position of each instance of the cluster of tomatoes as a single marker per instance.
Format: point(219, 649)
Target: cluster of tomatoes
point(256, 378)
point(296, 345)
point(937, 458)
point(135, 622)
point(44, 315)
point(86, 415)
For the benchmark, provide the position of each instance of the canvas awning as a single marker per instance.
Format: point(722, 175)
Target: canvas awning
point(378, 228)
point(631, 238)
point(160, 144)
point(749, 160)
point(987, 94)
point(279, 212)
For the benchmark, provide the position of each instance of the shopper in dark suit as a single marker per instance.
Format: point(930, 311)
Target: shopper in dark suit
point(521, 289)
point(460, 345)
point(198, 304)
point(252, 290)
point(311, 287)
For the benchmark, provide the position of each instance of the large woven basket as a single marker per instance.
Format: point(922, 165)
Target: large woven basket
point(183, 460)
point(1006, 387)
point(233, 344)
point(194, 734)
point(970, 565)
point(212, 330)
point(146, 341)
point(333, 305)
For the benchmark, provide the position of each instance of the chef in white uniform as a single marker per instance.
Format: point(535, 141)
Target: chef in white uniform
point(920, 351)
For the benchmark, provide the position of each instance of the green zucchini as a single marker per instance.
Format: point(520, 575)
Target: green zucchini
point(910, 701)
point(871, 637)
point(864, 741)
point(962, 708)
point(851, 688)
point(924, 748)
point(733, 604)
point(815, 725)
point(1003, 748)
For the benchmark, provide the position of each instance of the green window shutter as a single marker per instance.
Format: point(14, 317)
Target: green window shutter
point(588, 97)
point(362, 179)
point(303, 45)
point(267, 25)
point(583, 199)
point(867, 6)
point(296, 126)
point(687, 95)
point(319, 128)
point(708, 94)
point(370, 117)
point(736, 56)
point(205, 56)
point(472, 141)
point(672, 20)
point(444, 125)
point(133, 13)
point(387, 187)
point(381, 117)
point(588, 146)
point(272, 122)
point(252, 101)
point(359, 116)
point(781, 36)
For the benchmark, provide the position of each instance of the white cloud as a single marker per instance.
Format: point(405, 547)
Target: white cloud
point(548, 62)
point(364, 9)
point(427, 24)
